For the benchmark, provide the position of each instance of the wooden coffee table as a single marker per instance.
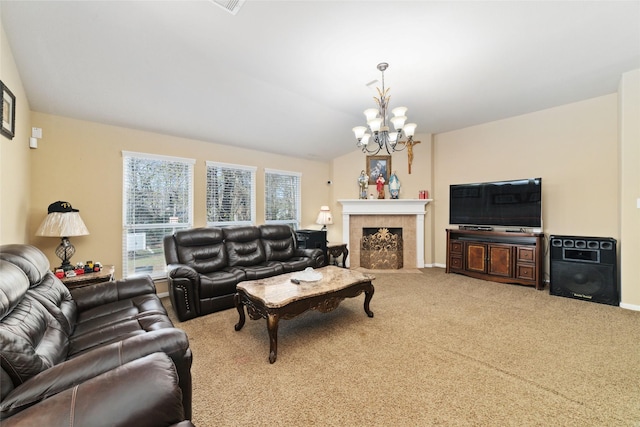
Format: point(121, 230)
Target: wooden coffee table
point(278, 298)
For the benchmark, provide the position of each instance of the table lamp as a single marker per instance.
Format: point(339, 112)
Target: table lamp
point(324, 217)
point(63, 221)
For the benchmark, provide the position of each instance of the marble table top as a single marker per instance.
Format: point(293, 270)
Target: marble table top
point(278, 291)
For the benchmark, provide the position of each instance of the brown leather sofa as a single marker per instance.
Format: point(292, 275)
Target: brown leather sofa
point(105, 354)
point(206, 264)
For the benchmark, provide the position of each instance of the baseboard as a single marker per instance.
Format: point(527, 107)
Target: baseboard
point(439, 265)
point(630, 306)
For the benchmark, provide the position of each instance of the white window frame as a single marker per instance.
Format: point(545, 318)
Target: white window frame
point(294, 222)
point(170, 227)
point(239, 168)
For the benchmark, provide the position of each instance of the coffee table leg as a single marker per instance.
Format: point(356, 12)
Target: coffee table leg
point(368, 294)
point(240, 308)
point(272, 327)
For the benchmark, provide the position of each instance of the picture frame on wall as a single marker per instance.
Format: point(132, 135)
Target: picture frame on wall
point(8, 112)
point(378, 165)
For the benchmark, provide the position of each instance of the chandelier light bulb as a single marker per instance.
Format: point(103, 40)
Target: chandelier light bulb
point(359, 131)
point(375, 124)
point(399, 111)
point(398, 122)
point(371, 113)
point(410, 129)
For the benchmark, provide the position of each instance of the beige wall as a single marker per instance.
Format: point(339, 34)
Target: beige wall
point(81, 162)
point(630, 189)
point(15, 170)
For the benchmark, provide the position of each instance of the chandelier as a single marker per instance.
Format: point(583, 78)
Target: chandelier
point(378, 129)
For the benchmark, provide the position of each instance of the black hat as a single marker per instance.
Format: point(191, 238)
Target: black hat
point(61, 207)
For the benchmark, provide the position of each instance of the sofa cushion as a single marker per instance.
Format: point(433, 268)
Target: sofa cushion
point(243, 245)
point(116, 332)
point(30, 259)
point(278, 241)
point(14, 284)
point(202, 249)
point(31, 340)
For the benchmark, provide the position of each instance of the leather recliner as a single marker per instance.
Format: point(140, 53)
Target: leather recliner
point(205, 264)
point(54, 342)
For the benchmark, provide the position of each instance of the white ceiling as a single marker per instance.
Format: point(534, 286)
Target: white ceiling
point(290, 77)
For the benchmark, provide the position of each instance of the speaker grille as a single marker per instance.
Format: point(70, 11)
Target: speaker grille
point(584, 268)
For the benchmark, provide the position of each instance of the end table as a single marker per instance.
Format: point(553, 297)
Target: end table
point(336, 250)
point(86, 279)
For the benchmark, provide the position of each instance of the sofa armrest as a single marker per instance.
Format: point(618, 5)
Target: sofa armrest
point(143, 392)
point(184, 290)
point(91, 296)
point(316, 255)
point(173, 342)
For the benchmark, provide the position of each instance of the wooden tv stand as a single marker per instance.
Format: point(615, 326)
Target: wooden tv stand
point(504, 257)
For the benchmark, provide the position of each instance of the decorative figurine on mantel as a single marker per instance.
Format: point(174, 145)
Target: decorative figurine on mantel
point(394, 185)
point(380, 186)
point(363, 182)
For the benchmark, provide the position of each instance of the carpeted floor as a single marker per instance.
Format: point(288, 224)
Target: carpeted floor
point(442, 349)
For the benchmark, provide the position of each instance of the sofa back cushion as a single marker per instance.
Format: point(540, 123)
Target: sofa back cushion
point(30, 259)
point(278, 241)
point(31, 341)
point(44, 286)
point(243, 245)
point(14, 284)
point(200, 248)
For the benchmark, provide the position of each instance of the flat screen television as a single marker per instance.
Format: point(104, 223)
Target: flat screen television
point(514, 203)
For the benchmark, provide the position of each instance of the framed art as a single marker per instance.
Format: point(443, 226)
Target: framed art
point(378, 165)
point(8, 112)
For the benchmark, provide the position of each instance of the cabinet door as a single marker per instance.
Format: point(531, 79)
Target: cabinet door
point(500, 260)
point(476, 257)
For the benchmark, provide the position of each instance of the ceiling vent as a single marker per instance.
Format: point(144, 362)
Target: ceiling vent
point(231, 6)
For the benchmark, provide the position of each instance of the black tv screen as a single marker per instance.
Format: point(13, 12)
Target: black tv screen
point(514, 203)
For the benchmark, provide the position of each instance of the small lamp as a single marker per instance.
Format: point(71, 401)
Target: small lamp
point(63, 221)
point(324, 217)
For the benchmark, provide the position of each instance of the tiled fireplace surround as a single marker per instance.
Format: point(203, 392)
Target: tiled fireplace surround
point(407, 214)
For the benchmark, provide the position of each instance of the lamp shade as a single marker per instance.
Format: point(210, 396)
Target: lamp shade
point(324, 217)
point(62, 224)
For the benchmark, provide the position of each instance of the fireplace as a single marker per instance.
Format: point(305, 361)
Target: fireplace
point(407, 214)
point(381, 248)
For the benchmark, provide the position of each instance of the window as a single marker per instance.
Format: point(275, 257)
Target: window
point(231, 194)
point(157, 201)
point(282, 197)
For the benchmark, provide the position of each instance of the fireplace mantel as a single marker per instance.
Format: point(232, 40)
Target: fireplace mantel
point(414, 207)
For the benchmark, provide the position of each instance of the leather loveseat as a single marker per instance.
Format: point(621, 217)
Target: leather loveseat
point(104, 354)
point(206, 264)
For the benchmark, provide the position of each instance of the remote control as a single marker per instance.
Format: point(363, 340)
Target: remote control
point(296, 281)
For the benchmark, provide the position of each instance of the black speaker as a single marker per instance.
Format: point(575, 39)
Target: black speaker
point(312, 239)
point(584, 268)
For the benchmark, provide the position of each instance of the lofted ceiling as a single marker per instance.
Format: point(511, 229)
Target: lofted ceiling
point(290, 77)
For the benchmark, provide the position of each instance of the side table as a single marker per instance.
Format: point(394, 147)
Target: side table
point(336, 250)
point(104, 275)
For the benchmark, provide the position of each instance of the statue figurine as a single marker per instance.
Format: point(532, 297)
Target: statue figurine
point(380, 186)
point(394, 186)
point(363, 182)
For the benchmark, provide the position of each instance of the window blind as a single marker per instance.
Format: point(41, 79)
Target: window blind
point(157, 201)
point(231, 193)
point(282, 197)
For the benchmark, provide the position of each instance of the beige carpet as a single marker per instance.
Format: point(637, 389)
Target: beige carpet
point(441, 350)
